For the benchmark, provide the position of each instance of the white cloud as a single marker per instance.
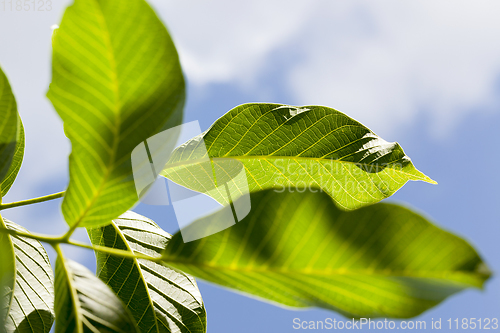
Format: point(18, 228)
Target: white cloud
point(382, 62)
point(226, 40)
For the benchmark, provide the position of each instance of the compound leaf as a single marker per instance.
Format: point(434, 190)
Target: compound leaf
point(26, 284)
point(116, 80)
point(160, 299)
point(282, 146)
point(300, 250)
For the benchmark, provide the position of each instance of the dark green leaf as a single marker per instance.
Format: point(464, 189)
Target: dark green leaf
point(283, 147)
point(27, 286)
point(85, 304)
point(11, 136)
point(116, 81)
point(161, 299)
point(299, 250)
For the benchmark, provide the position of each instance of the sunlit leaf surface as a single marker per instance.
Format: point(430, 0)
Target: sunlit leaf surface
point(299, 250)
point(116, 80)
point(85, 304)
point(26, 284)
point(287, 148)
point(161, 299)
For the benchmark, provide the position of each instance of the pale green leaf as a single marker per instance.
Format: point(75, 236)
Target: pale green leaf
point(11, 136)
point(161, 299)
point(287, 147)
point(116, 80)
point(85, 304)
point(27, 294)
point(7, 276)
point(300, 250)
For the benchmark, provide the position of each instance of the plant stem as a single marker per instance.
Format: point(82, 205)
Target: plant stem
point(55, 241)
point(68, 233)
point(32, 201)
point(42, 238)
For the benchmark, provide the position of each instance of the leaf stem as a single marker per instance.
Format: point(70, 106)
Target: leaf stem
point(55, 241)
point(41, 237)
point(67, 235)
point(32, 201)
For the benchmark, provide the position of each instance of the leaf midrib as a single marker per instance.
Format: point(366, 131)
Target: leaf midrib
point(293, 158)
point(136, 263)
point(340, 271)
point(116, 129)
point(73, 292)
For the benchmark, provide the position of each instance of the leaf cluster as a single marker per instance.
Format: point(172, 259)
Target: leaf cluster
point(328, 243)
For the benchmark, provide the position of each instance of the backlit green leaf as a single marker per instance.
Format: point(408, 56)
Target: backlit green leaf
point(287, 147)
point(11, 136)
point(27, 286)
point(85, 304)
point(161, 299)
point(116, 80)
point(7, 276)
point(300, 250)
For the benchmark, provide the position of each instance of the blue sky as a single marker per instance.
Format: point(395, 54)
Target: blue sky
point(424, 74)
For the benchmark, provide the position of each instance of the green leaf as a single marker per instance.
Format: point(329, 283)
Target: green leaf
point(7, 276)
point(116, 80)
point(11, 136)
point(85, 304)
point(300, 250)
point(161, 299)
point(283, 147)
point(27, 286)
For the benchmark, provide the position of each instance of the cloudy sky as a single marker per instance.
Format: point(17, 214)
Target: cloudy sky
point(423, 73)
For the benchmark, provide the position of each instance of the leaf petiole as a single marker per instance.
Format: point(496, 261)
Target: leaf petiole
point(55, 241)
point(32, 201)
